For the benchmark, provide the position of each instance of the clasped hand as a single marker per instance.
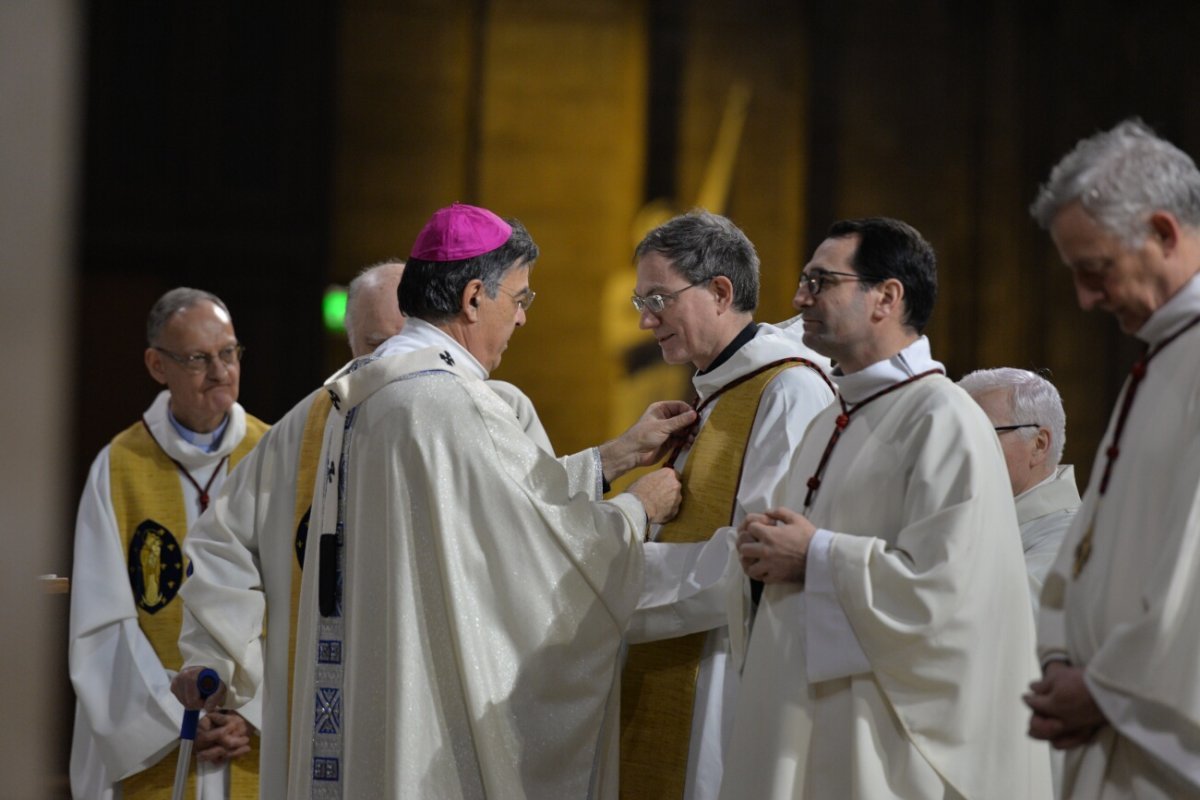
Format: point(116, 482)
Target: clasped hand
point(773, 547)
point(221, 735)
point(1064, 712)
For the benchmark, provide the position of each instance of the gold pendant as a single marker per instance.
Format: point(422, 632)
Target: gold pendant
point(1083, 551)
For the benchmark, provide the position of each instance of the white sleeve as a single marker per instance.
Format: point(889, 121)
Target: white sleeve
point(685, 587)
point(831, 648)
point(124, 692)
point(224, 599)
point(788, 404)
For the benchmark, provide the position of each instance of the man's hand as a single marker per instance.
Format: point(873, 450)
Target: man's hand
point(660, 493)
point(773, 547)
point(1064, 713)
point(183, 686)
point(661, 427)
point(222, 736)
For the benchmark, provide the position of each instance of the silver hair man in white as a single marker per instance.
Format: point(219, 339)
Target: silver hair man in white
point(1117, 635)
point(1028, 415)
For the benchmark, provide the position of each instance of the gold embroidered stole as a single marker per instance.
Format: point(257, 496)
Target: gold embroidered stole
point(147, 503)
point(658, 684)
point(306, 477)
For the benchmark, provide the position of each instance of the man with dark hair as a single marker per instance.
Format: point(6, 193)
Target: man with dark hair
point(144, 492)
point(878, 665)
point(464, 593)
point(757, 387)
point(1117, 634)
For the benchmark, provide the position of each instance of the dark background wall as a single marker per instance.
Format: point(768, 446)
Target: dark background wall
point(263, 153)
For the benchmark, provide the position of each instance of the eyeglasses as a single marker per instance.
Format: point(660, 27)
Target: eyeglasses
point(1006, 428)
point(656, 303)
point(524, 298)
point(198, 363)
point(816, 281)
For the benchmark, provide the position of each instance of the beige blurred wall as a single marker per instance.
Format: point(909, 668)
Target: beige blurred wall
point(39, 57)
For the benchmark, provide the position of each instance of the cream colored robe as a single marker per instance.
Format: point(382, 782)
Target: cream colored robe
point(1044, 513)
point(1132, 618)
point(126, 718)
point(484, 594)
point(241, 553)
point(897, 670)
point(686, 585)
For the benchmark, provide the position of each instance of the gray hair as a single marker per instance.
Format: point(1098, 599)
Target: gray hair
point(432, 290)
point(1031, 399)
point(365, 277)
point(1121, 176)
point(175, 300)
point(702, 245)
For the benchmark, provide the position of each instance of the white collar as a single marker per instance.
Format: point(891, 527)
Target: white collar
point(1181, 307)
point(771, 343)
point(912, 360)
point(180, 449)
point(417, 334)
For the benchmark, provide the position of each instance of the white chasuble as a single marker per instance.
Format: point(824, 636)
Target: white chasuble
point(481, 595)
point(1131, 617)
point(241, 600)
point(898, 670)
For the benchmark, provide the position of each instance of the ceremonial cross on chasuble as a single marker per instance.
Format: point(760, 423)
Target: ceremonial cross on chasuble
point(202, 491)
point(843, 420)
point(1083, 551)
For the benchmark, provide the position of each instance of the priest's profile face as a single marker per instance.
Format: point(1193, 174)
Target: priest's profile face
point(685, 328)
point(1109, 275)
point(836, 317)
point(499, 317)
point(197, 357)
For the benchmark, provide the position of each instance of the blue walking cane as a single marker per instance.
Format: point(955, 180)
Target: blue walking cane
point(207, 682)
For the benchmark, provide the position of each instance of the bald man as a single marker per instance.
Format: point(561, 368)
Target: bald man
point(144, 493)
point(262, 518)
point(372, 311)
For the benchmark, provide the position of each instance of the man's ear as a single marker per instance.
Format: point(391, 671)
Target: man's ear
point(1041, 447)
point(472, 293)
point(154, 365)
point(890, 299)
point(722, 289)
point(1164, 229)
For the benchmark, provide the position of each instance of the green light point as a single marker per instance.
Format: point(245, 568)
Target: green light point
point(333, 309)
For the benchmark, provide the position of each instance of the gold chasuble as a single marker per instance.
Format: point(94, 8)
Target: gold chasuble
point(148, 505)
point(658, 684)
point(306, 476)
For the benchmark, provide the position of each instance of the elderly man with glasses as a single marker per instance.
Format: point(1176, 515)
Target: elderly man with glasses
point(894, 634)
point(757, 386)
point(144, 492)
point(1027, 413)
